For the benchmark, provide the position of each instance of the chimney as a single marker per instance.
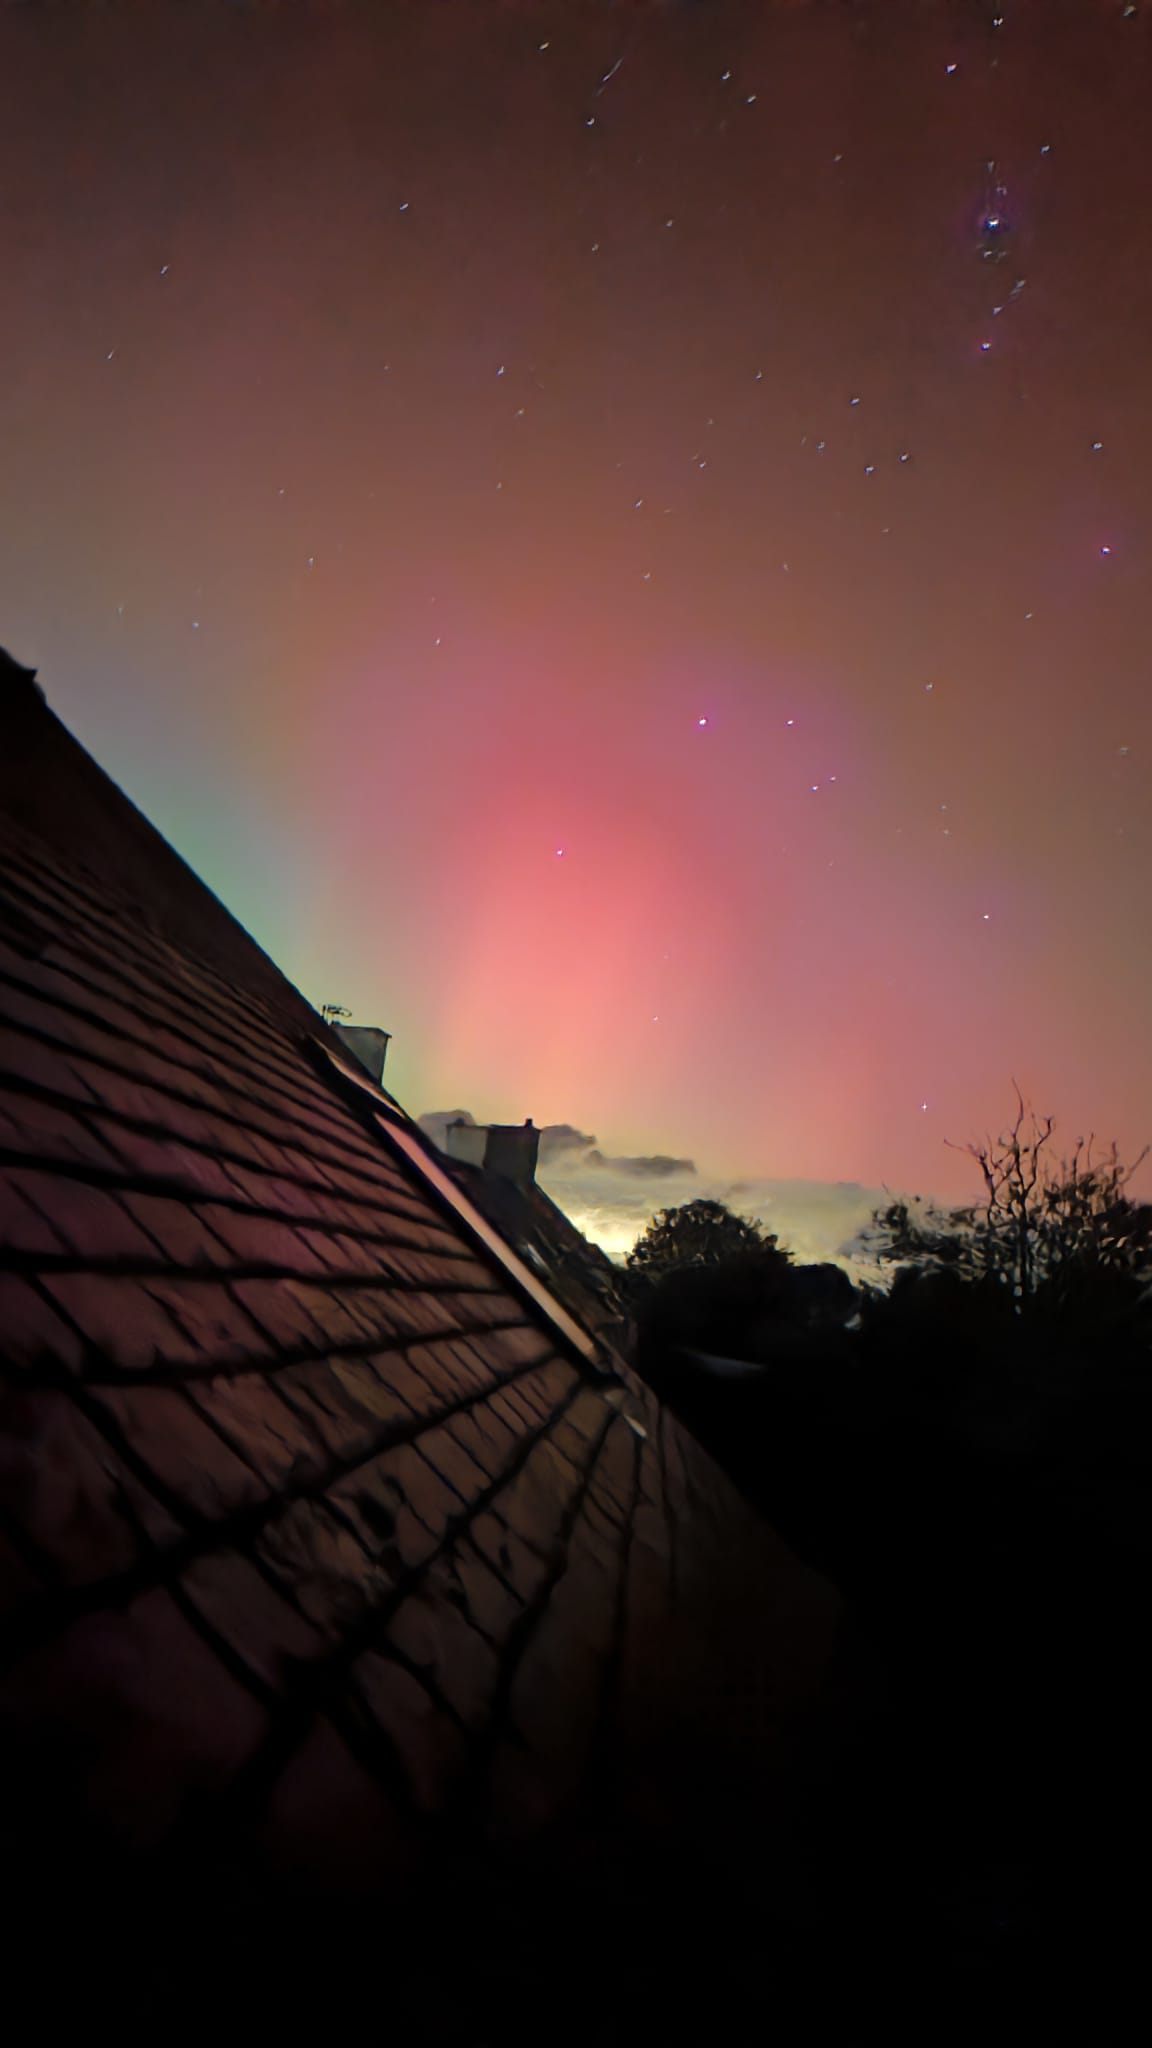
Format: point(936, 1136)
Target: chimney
point(466, 1142)
point(366, 1044)
point(511, 1151)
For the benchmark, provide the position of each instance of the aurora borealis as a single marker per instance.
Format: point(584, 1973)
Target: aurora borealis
point(562, 517)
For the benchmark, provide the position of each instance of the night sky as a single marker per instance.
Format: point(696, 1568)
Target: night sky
point(617, 537)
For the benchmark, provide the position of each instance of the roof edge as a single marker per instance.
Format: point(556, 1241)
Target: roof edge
point(53, 789)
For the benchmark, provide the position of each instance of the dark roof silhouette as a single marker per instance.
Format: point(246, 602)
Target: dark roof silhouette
point(581, 1276)
point(329, 1565)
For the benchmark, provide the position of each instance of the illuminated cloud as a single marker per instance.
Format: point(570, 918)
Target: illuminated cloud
point(612, 1198)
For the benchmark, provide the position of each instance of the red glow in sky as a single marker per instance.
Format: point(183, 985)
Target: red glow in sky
point(572, 523)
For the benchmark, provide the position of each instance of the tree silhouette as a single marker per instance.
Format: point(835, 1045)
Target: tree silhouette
point(1052, 1234)
point(701, 1233)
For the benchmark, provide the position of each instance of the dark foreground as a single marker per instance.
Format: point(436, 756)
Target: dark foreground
point(989, 1829)
point(972, 1868)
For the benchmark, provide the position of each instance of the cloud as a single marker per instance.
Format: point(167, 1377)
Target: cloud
point(565, 1149)
point(612, 1198)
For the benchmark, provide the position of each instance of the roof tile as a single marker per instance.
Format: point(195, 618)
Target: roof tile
point(121, 1320)
point(398, 1497)
point(324, 1566)
point(431, 1748)
point(32, 1334)
point(260, 1626)
point(39, 1130)
point(80, 1506)
point(23, 1228)
point(432, 1633)
point(184, 1234)
point(247, 1411)
point(490, 1600)
point(30, 1064)
point(191, 1463)
point(138, 1708)
point(332, 1821)
point(383, 1385)
point(89, 1222)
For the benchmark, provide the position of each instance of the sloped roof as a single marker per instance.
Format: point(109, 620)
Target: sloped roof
point(320, 1546)
point(579, 1273)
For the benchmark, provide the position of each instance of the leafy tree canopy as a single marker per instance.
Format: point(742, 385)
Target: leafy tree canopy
point(701, 1233)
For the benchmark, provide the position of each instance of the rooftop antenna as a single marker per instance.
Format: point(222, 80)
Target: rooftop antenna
point(330, 1012)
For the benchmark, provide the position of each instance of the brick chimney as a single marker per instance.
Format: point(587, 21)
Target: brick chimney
point(506, 1149)
point(512, 1150)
